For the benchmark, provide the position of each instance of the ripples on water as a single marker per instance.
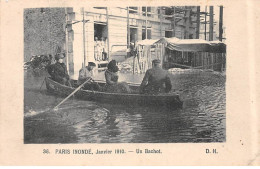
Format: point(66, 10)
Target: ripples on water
point(202, 118)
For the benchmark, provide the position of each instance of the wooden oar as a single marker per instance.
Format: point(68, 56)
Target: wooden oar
point(42, 83)
point(71, 94)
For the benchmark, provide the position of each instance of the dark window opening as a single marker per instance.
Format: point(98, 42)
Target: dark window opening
point(133, 9)
point(149, 34)
point(148, 11)
point(168, 11)
point(100, 31)
point(143, 34)
point(168, 34)
point(133, 34)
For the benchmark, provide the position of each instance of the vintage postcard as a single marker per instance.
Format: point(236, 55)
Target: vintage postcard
point(129, 83)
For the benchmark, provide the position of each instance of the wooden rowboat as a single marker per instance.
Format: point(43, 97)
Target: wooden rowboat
point(168, 100)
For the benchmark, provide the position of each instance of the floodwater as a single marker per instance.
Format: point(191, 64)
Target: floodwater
point(202, 118)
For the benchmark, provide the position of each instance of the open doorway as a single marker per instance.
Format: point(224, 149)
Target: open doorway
point(100, 42)
point(133, 35)
point(100, 30)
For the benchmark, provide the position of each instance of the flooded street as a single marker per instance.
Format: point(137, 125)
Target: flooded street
point(202, 118)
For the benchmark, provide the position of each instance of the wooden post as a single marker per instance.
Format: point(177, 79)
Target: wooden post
point(195, 58)
point(203, 59)
point(150, 59)
point(128, 34)
point(221, 60)
point(161, 54)
point(187, 24)
point(84, 46)
point(211, 25)
point(174, 33)
point(174, 26)
point(67, 40)
point(220, 22)
point(128, 29)
point(161, 22)
point(198, 23)
point(212, 60)
point(146, 22)
point(108, 47)
point(208, 55)
point(205, 33)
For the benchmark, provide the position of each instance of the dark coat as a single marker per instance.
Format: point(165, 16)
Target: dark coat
point(58, 72)
point(111, 77)
point(156, 80)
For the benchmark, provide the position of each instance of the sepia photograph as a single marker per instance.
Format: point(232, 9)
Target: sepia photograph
point(129, 83)
point(135, 74)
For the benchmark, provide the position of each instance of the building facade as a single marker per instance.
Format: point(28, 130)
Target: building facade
point(119, 27)
point(109, 31)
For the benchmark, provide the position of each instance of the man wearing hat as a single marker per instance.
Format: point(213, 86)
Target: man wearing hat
point(58, 71)
point(86, 73)
point(156, 80)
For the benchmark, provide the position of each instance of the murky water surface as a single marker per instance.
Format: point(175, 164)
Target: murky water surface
point(202, 119)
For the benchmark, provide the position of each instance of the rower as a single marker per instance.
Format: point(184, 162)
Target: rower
point(86, 73)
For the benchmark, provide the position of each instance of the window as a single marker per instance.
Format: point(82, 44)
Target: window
point(158, 11)
point(133, 9)
point(168, 11)
point(148, 11)
point(168, 34)
point(149, 33)
point(143, 34)
point(133, 34)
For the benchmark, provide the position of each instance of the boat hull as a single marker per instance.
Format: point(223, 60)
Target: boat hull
point(117, 98)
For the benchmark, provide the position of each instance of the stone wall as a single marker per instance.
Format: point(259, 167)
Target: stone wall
point(43, 31)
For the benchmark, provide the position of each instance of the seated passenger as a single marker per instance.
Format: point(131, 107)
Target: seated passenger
point(156, 80)
point(86, 73)
point(58, 71)
point(112, 84)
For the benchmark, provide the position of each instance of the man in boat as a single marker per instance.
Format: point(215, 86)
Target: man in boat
point(86, 73)
point(58, 71)
point(156, 80)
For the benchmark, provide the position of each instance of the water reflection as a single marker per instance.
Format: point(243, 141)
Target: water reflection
point(202, 118)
